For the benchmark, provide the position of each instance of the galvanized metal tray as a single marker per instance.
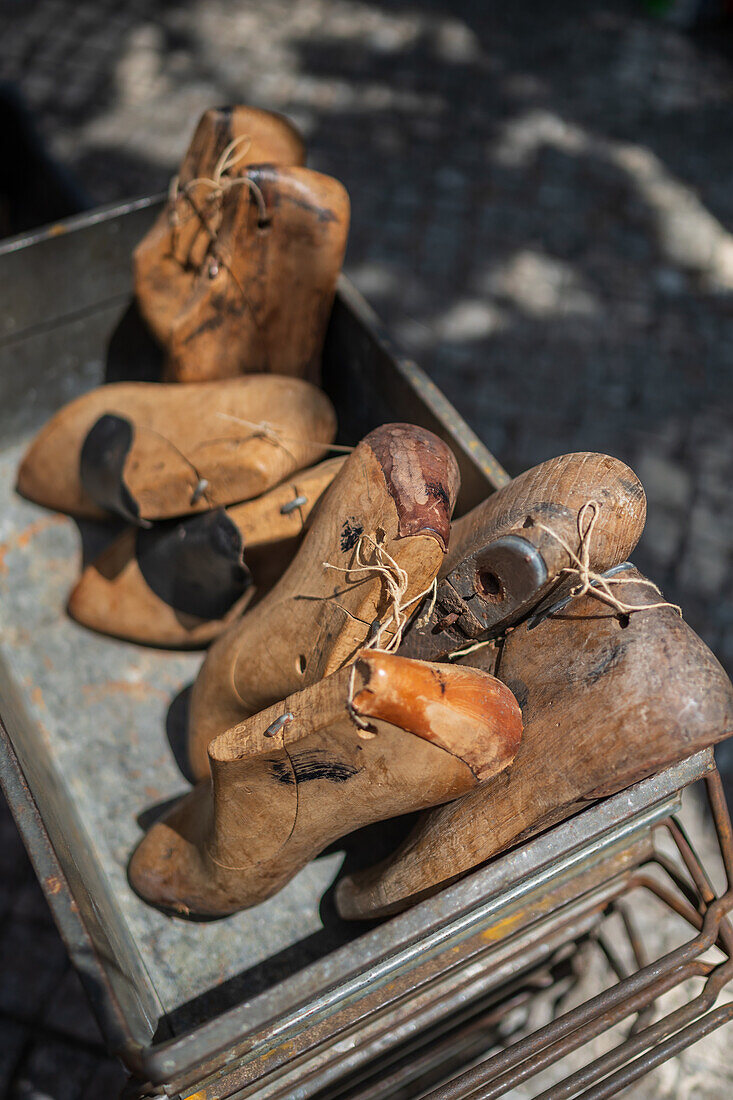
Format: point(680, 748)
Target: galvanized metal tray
point(284, 998)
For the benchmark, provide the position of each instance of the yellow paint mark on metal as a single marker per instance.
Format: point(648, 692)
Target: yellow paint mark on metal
point(502, 928)
point(57, 230)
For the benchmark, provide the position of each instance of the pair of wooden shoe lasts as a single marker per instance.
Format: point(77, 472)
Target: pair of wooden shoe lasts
point(239, 272)
point(350, 747)
point(150, 451)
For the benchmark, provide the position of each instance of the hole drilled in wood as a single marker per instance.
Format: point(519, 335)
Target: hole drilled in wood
point(489, 585)
point(300, 663)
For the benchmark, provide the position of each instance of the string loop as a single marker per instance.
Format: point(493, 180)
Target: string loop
point(392, 622)
point(589, 583)
point(595, 584)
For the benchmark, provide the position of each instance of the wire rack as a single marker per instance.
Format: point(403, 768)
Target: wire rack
point(435, 1068)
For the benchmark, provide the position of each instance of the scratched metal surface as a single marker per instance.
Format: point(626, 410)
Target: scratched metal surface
point(101, 706)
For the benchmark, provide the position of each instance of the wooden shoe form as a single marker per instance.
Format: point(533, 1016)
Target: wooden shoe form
point(606, 701)
point(501, 562)
point(294, 778)
point(181, 583)
point(167, 260)
point(261, 299)
point(398, 487)
point(149, 451)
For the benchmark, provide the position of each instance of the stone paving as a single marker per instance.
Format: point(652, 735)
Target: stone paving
point(542, 215)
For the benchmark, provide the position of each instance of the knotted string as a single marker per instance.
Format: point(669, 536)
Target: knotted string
point(218, 183)
point(595, 584)
point(590, 583)
point(396, 582)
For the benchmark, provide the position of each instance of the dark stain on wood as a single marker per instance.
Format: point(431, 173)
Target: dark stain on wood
point(350, 534)
point(195, 565)
point(632, 487)
point(519, 690)
point(102, 464)
point(606, 660)
point(312, 764)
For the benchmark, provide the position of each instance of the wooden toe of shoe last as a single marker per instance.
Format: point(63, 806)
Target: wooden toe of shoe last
point(178, 584)
point(607, 700)
point(291, 780)
point(149, 451)
point(508, 552)
point(381, 527)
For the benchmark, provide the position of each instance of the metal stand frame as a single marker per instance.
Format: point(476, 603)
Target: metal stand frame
point(648, 1044)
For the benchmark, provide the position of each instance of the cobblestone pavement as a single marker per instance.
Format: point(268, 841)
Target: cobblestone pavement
point(542, 214)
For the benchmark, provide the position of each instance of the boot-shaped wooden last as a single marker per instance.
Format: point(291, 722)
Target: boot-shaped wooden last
point(338, 755)
point(167, 261)
point(181, 583)
point(377, 541)
point(147, 451)
point(511, 550)
point(261, 297)
point(607, 699)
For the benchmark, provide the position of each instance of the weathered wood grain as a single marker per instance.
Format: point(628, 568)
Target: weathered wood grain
point(501, 562)
point(260, 299)
point(167, 260)
point(317, 618)
point(606, 701)
point(151, 451)
point(281, 791)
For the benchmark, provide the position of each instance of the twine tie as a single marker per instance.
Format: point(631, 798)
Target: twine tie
point(393, 622)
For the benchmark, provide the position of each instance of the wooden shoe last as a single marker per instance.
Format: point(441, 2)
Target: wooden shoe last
point(261, 297)
point(508, 552)
point(167, 261)
point(606, 700)
point(149, 451)
point(294, 778)
point(391, 501)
